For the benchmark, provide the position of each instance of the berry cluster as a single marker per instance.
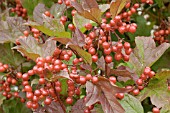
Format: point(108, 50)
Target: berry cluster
point(160, 35)
point(142, 81)
point(19, 9)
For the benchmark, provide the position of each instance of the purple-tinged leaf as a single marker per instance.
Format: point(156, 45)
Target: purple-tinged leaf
point(104, 92)
point(89, 4)
point(77, 39)
point(146, 53)
point(54, 107)
point(79, 106)
point(101, 63)
point(61, 74)
point(11, 29)
point(32, 49)
point(89, 10)
point(38, 12)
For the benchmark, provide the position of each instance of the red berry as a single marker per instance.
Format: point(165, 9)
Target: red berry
point(94, 58)
point(155, 110)
point(47, 13)
point(136, 92)
point(139, 82)
point(28, 88)
point(120, 95)
point(112, 79)
point(94, 79)
point(88, 26)
point(69, 100)
point(108, 59)
point(48, 101)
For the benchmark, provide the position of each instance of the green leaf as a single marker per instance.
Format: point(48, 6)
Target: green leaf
point(163, 62)
point(142, 23)
point(2, 98)
point(117, 6)
point(146, 53)
point(64, 86)
point(9, 56)
point(165, 109)
point(157, 90)
point(131, 104)
point(160, 3)
point(11, 29)
point(82, 53)
point(80, 21)
point(15, 106)
point(29, 5)
point(32, 49)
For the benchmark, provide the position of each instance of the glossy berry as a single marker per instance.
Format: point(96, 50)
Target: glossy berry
point(155, 110)
point(69, 100)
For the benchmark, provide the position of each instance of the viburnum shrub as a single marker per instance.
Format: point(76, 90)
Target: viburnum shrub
point(84, 56)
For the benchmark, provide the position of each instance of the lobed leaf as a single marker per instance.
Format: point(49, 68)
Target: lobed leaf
point(146, 53)
point(104, 93)
point(32, 49)
point(88, 9)
point(11, 29)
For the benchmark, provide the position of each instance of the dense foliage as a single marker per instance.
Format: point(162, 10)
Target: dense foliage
point(84, 56)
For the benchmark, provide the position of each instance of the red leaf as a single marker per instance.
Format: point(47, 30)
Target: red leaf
point(104, 93)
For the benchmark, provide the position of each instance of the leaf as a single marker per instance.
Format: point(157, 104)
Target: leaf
point(88, 9)
point(48, 31)
point(131, 104)
point(57, 10)
point(2, 98)
point(104, 7)
point(38, 13)
point(165, 109)
point(9, 56)
point(79, 106)
point(34, 81)
point(104, 93)
point(78, 39)
point(11, 29)
point(29, 5)
point(101, 63)
point(117, 6)
point(157, 90)
point(160, 3)
point(54, 107)
point(61, 74)
point(82, 53)
point(146, 53)
point(80, 21)
point(32, 49)
point(15, 106)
